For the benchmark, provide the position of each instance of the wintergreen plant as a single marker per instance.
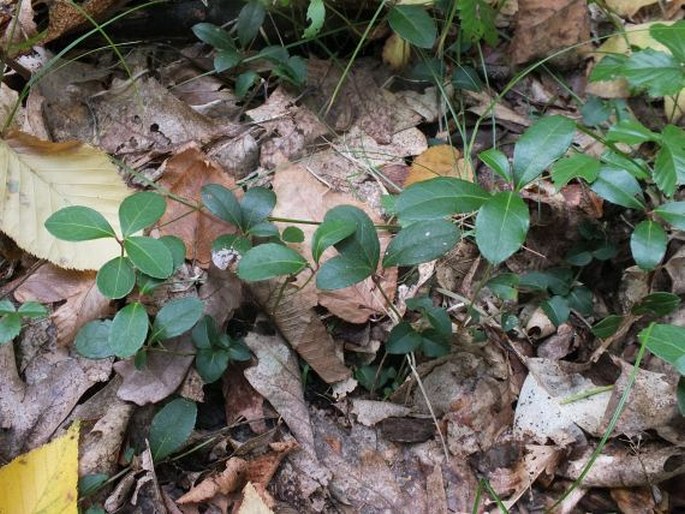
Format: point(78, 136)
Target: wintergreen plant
point(11, 317)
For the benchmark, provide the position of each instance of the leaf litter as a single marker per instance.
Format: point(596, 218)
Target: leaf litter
point(510, 408)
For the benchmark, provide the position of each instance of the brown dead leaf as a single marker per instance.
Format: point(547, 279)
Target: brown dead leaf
point(242, 401)
point(261, 469)
point(163, 373)
point(221, 294)
point(439, 161)
point(229, 480)
point(545, 26)
point(66, 17)
point(253, 502)
point(184, 175)
point(84, 302)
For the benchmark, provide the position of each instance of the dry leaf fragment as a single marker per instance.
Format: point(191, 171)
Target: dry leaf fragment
point(228, 481)
point(253, 502)
point(439, 161)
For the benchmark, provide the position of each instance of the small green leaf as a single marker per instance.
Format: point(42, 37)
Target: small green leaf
point(226, 59)
point(222, 203)
point(658, 304)
point(648, 244)
point(501, 226)
point(631, 132)
point(657, 72)
point(205, 333)
point(213, 36)
point(580, 300)
point(256, 206)
point(539, 146)
point(497, 162)
point(609, 68)
point(666, 342)
point(414, 24)
point(250, 20)
point(438, 198)
point(78, 223)
point(244, 82)
point(669, 166)
point(275, 54)
point(619, 187)
point(7, 307)
point(240, 244)
point(139, 211)
point(329, 233)
point(422, 241)
point(465, 77)
point(557, 280)
point(238, 351)
point(10, 327)
point(176, 247)
point(363, 244)
point(575, 166)
point(595, 111)
point(292, 235)
point(92, 341)
point(211, 363)
point(557, 309)
point(116, 278)
point(294, 70)
point(505, 286)
point(89, 484)
point(673, 213)
point(32, 310)
point(176, 317)
point(150, 256)
point(265, 230)
point(672, 37)
point(340, 272)
point(316, 14)
point(270, 260)
point(403, 339)
point(128, 330)
point(171, 427)
point(607, 327)
point(632, 164)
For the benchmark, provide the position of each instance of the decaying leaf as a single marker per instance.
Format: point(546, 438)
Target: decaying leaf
point(439, 161)
point(40, 178)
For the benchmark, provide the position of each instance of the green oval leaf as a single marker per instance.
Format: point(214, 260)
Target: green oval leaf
point(139, 211)
point(501, 226)
point(270, 260)
point(250, 19)
point(222, 203)
point(669, 166)
point(607, 327)
point(78, 223)
point(116, 278)
point(330, 232)
point(631, 132)
point(657, 72)
point(438, 198)
point(10, 327)
point(414, 24)
point(128, 330)
point(658, 304)
point(363, 244)
point(176, 317)
point(292, 235)
point(557, 309)
point(619, 187)
point(32, 310)
point(673, 213)
point(672, 37)
point(256, 205)
point(176, 247)
point(225, 60)
point(648, 244)
point(539, 146)
point(340, 272)
point(92, 341)
point(7, 307)
point(211, 363)
point(497, 162)
point(666, 342)
point(150, 256)
point(403, 339)
point(171, 427)
point(214, 36)
point(420, 242)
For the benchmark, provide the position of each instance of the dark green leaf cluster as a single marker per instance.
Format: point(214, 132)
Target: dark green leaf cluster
point(10, 317)
point(215, 350)
point(430, 335)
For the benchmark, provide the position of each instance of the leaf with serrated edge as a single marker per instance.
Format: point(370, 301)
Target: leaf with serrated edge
point(38, 178)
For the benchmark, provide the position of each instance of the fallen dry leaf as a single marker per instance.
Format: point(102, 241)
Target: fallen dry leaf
point(184, 175)
point(439, 161)
point(253, 503)
point(229, 480)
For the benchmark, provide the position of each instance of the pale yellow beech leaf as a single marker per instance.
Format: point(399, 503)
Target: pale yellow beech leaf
point(38, 178)
point(44, 479)
point(636, 36)
point(628, 8)
point(396, 52)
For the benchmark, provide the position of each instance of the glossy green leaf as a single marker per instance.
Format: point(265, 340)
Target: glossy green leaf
point(414, 24)
point(657, 72)
point(631, 132)
point(292, 235)
point(477, 19)
point(92, 341)
point(116, 278)
point(501, 226)
point(556, 280)
point(580, 300)
point(10, 327)
point(403, 339)
point(275, 54)
point(539, 146)
point(176, 317)
point(226, 59)
point(648, 244)
point(669, 166)
point(497, 162)
point(270, 260)
point(78, 223)
point(316, 15)
point(466, 77)
point(32, 310)
point(419, 242)
point(658, 304)
point(557, 309)
point(672, 37)
point(249, 22)
point(340, 272)
point(244, 82)
point(607, 327)
point(666, 342)
point(140, 211)
point(222, 203)
point(171, 427)
point(294, 70)
point(575, 166)
point(504, 286)
point(214, 36)
point(256, 205)
point(205, 333)
point(7, 307)
point(619, 187)
point(363, 244)
point(150, 256)
point(609, 68)
point(211, 363)
point(438, 198)
point(329, 233)
point(128, 330)
point(238, 350)
point(238, 243)
point(265, 230)
point(632, 164)
point(177, 249)
point(673, 213)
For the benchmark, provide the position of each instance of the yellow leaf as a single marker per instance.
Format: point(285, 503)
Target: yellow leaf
point(252, 502)
point(627, 8)
point(38, 178)
point(44, 479)
point(439, 161)
point(396, 52)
